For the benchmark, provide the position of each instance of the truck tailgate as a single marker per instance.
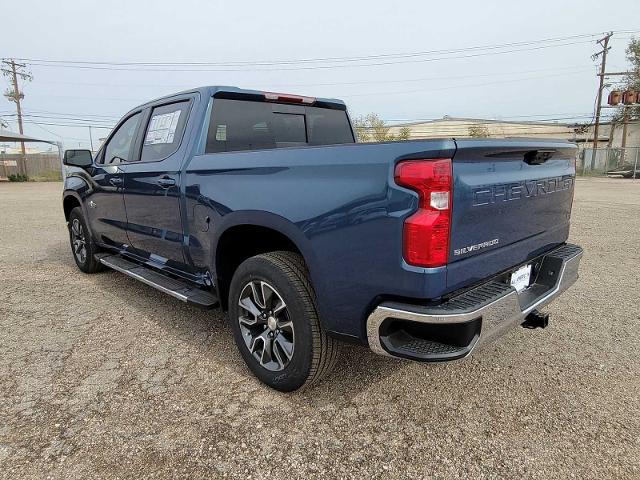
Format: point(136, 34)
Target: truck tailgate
point(511, 201)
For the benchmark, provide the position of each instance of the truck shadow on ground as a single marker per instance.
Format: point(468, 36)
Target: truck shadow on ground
point(209, 331)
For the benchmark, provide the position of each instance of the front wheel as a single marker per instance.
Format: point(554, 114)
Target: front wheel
point(273, 314)
point(82, 246)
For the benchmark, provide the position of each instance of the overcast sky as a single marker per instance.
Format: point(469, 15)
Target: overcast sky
point(537, 80)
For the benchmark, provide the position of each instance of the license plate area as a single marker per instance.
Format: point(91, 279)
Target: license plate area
point(521, 278)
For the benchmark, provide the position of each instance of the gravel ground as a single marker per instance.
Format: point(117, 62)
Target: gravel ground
point(101, 376)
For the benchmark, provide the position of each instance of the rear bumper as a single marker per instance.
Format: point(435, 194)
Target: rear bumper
point(455, 328)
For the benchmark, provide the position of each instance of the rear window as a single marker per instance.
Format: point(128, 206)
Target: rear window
point(245, 125)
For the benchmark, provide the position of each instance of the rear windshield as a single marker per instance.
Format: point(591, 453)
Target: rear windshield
point(249, 125)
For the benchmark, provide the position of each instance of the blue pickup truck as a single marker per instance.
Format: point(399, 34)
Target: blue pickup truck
point(265, 205)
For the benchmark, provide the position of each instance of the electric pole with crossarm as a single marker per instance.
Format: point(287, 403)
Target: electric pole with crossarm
point(14, 71)
point(605, 49)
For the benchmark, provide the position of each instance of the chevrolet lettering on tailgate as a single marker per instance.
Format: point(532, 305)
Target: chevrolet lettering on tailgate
point(516, 191)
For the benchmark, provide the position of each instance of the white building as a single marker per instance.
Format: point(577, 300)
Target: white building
point(448, 127)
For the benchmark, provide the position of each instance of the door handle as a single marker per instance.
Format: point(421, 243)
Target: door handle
point(115, 181)
point(166, 182)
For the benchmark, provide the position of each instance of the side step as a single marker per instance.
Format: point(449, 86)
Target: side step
point(176, 288)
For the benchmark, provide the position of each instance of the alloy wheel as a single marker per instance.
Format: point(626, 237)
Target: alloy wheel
point(267, 329)
point(78, 241)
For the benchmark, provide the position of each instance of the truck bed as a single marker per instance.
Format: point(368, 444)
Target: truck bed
point(344, 211)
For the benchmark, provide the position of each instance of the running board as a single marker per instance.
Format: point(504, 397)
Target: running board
point(174, 287)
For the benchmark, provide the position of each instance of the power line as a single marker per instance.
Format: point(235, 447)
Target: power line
point(326, 84)
point(548, 116)
point(71, 121)
point(116, 117)
point(107, 66)
point(346, 95)
point(59, 117)
point(70, 125)
point(100, 118)
point(65, 118)
point(545, 117)
point(50, 132)
point(92, 117)
point(320, 59)
point(454, 87)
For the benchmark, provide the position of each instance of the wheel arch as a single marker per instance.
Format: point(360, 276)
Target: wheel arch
point(245, 234)
point(74, 197)
point(76, 188)
point(70, 201)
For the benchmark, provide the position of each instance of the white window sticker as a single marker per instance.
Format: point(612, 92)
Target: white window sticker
point(221, 133)
point(162, 128)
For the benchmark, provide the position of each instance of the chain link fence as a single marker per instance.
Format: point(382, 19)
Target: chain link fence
point(609, 161)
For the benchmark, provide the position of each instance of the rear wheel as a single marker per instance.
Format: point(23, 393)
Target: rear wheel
point(273, 314)
point(82, 245)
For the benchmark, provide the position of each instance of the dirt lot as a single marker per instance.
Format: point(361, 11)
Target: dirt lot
point(103, 377)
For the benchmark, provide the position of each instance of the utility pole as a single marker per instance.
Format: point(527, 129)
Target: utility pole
point(603, 64)
point(13, 71)
point(91, 139)
point(623, 144)
point(614, 102)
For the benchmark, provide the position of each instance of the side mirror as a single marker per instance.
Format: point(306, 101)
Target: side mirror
point(78, 158)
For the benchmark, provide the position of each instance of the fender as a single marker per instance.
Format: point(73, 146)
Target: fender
point(281, 225)
point(77, 186)
point(270, 220)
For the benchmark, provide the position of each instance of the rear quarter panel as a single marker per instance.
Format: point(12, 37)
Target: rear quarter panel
point(339, 204)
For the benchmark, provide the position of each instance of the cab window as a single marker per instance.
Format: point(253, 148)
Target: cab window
point(164, 131)
point(237, 125)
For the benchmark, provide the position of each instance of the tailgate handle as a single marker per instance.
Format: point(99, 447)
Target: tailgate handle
point(538, 157)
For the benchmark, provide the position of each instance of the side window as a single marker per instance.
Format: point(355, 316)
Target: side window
point(239, 125)
point(249, 125)
point(245, 125)
point(328, 127)
point(164, 131)
point(119, 146)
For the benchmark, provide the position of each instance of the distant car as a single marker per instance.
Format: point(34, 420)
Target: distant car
point(264, 204)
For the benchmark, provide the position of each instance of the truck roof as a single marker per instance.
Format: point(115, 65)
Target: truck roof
point(209, 91)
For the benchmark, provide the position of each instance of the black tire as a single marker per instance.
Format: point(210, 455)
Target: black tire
point(78, 228)
point(314, 353)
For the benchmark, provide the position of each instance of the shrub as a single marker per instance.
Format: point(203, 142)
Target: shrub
point(18, 177)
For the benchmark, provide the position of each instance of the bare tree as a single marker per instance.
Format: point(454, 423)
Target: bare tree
point(404, 134)
point(632, 80)
point(478, 131)
point(371, 128)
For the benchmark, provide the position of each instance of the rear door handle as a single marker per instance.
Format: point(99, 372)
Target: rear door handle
point(166, 182)
point(115, 181)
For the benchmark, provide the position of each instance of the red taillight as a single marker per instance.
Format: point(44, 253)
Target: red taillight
point(426, 232)
point(284, 97)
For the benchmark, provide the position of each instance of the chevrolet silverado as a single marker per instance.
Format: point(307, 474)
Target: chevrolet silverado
point(264, 205)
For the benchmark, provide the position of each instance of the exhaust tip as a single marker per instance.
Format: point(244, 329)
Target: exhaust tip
point(536, 319)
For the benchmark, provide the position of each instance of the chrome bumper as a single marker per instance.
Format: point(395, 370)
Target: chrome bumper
point(491, 309)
